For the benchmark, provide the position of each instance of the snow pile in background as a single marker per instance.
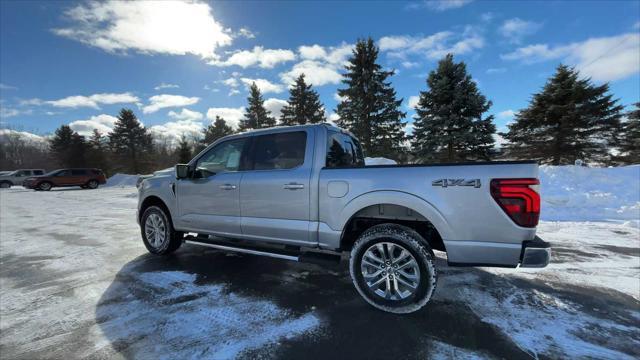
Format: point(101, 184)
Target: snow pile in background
point(378, 161)
point(575, 193)
point(122, 180)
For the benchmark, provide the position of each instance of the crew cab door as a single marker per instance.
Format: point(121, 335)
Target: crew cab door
point(208, 200)
point(274, 191)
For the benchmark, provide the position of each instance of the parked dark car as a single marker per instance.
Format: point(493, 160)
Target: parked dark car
point(85, 178)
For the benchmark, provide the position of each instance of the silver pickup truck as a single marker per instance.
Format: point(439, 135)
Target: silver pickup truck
point(304, 193)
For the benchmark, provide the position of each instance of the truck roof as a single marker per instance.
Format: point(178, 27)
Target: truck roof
point(289, 127)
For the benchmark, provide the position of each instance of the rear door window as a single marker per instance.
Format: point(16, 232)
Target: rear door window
point(78, 172)
point(38, 172)
point(343, 151)
point(279, 151)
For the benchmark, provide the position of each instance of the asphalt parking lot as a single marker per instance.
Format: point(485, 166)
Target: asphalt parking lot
point(77, 282)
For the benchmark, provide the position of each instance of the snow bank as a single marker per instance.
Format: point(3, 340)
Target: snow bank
point(378, 161)
point(575, 193)
point(122, 180)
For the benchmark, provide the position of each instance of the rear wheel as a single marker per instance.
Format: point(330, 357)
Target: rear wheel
point(45, 186)
point(158, 234)
point(92, 184)
point(392, 267)
point(5, 185)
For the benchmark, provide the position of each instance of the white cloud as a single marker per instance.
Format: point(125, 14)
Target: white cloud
point(7, 87)
point(232, 82)
point(603, 59)
point(439, 5)
point(103, 123)
point(233, 92)
point(34, 101)
point(6, 112)
point(166, 86)
point(246, 33)
point(320, 64)
point(434, 46)
point(264, 85)
point(23, 135)
point(158, 102)
point(410, 64)
point(507, 114)
point(487, 17)
point(496, 70)
point(174, 130)
point(186, 115)
point(231, 115)
point(264, 58)
point(636, 26)
point(275, 106)
point(413, 102)
point(150, 27)
point(339, 98)
point(515, 29)
point(332, 118)
point(92, 101)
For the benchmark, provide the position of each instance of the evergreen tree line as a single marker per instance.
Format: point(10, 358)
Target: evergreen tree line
point(569, 119)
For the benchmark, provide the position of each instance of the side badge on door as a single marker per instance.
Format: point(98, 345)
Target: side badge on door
point(456, 182)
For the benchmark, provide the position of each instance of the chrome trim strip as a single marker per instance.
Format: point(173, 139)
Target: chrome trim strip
point(242, 250)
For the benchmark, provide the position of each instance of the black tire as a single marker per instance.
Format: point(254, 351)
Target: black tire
point(5, 185)
point(409, 240)
point(172, 239)
point(92, 184)
point(45, 186)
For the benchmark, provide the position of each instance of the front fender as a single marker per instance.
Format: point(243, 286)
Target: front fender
point(399, 198)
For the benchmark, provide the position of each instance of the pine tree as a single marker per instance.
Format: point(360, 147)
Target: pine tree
point(68, 147)
point(569, 119)
point(448, 124)
point(184, 150)
point(630, 137)
point(216, 130)
point(369, 108)
point(256, 116)
point(130, 142)
point(304, 105)
point(98, 152)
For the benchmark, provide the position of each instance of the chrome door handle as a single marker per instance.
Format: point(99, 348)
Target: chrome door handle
point(293, 186)
point(228, 187)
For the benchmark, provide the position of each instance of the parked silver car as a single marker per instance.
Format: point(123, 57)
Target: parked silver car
point(304, 193)
point(16, 177)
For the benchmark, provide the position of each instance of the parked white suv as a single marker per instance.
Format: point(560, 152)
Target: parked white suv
point(18, 176)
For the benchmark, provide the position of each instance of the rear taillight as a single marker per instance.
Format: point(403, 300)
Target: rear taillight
point(519, 199)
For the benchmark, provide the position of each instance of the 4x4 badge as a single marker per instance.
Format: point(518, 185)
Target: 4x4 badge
point(456, 182)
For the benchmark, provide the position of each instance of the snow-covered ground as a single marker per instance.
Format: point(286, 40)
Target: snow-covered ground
point(76, 281)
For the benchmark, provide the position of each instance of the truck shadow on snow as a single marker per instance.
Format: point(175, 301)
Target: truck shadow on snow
point(204, 303)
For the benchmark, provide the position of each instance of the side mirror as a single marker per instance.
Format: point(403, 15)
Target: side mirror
point(182, 171)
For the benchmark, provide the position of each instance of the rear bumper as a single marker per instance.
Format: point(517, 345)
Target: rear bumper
point(535, 253)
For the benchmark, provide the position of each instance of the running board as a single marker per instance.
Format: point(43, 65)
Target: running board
point(306, 257)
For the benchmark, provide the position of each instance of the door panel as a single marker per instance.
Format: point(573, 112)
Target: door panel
point(208, 202)
point(274, 199)
point(211, 204)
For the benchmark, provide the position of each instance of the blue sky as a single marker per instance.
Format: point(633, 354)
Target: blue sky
point(180, 64)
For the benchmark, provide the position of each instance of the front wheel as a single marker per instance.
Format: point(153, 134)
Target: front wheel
point(158, 234)
point(45, 186)
point(392, 267)
point(92, 184)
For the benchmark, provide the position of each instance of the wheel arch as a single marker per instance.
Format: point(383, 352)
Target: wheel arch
point(393, 207)
point(152, 200)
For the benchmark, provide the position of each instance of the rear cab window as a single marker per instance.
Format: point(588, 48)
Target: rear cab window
point(279, 151)
point(343, 150)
